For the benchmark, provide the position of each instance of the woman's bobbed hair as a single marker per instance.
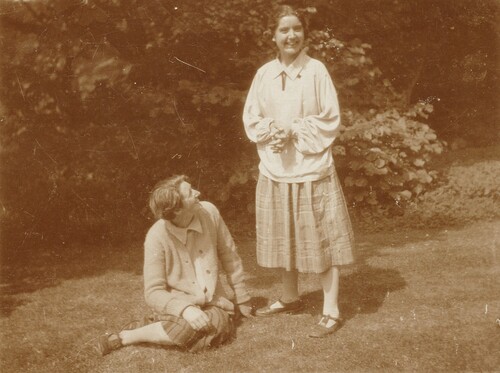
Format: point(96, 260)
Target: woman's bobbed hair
point(165, 199)
point(284, 11)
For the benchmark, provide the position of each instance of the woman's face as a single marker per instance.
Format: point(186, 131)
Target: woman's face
point(189, 195)
point(289, 37)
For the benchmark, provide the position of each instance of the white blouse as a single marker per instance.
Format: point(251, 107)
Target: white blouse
point(302, 96)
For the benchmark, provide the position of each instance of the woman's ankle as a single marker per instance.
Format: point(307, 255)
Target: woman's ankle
point(331, 311)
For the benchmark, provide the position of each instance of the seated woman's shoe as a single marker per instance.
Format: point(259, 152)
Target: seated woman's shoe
point(326, 326)
point(108, 342)
point(280, 307)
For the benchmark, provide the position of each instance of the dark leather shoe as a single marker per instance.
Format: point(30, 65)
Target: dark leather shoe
point(283, 307)
point(320, 330)
point(108, 342)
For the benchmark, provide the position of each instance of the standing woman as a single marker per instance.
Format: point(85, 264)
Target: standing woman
point(292, 114)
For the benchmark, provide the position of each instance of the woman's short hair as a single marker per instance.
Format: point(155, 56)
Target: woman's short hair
point(284, 11)
point(165, 199)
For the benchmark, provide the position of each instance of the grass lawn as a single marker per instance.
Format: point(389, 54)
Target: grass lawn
point(418, 300)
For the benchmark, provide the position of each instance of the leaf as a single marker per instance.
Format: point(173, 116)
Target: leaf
point(406, 194)
point(419, 162)
point(338, 150)
point(360, 196)
point(355, 151)
point(379, 163)
point(409, 175)
point(355, 165)
point(418, 189)
point(394, 180)
point(352, 82)
point(371, 156)
point(243, 178)
point(361, 182)
point(424, 177)
point(383, 171)
point(356, 50)
point(384, 186)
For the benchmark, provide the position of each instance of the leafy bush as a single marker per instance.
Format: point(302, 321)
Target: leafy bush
point(387, 156)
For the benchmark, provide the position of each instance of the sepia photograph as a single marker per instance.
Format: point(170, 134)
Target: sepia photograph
point(249, 186)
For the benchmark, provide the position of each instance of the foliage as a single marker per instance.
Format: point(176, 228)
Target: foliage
point(467, 191)
point(387, 156)
point(100, 99)
point(442, 52)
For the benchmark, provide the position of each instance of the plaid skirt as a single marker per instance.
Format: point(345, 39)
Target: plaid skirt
point(303, 226)
point(185, 337)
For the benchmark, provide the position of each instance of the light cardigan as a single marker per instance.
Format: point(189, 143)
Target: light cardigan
point(305, 99)
point(170, 280)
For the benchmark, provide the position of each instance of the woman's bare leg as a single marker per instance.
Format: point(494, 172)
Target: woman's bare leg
point(152, 333)
point(330, 282)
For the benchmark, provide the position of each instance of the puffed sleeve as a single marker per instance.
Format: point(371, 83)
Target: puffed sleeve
point(257, 127)
point(314, 133)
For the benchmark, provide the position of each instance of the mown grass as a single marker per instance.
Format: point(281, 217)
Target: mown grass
point(417, 300)
point(423, 296)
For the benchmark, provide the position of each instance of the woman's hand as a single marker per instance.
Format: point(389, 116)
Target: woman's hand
point(197, 318)
point(280, 134)
point(244, 309)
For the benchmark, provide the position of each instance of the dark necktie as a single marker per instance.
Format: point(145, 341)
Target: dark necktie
point(283, 80)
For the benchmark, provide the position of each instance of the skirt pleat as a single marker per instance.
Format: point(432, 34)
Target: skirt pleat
point(303, 226)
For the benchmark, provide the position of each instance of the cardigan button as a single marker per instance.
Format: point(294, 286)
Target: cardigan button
point(208, 271)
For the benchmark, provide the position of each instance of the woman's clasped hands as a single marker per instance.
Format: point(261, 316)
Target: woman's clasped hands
point(280, 135)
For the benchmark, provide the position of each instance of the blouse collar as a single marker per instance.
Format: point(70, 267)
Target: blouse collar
point(293, 70)
point(181, 233)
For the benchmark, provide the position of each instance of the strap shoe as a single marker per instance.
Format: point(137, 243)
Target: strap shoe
point(280, 307)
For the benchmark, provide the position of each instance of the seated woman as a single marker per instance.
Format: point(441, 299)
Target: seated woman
point(181, 275)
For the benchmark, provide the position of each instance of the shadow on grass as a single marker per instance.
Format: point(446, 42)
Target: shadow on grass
point(361, 292)
point(364, 289)
point(27, 271)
